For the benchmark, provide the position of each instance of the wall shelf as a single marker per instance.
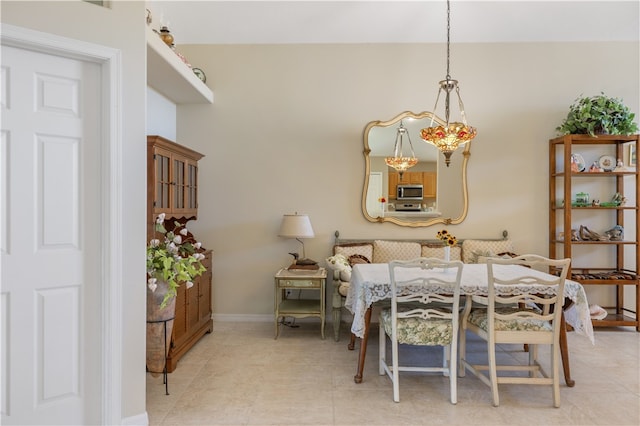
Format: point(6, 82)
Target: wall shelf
point(168, 75)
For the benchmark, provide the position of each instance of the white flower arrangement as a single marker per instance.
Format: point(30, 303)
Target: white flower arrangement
point(173, 258)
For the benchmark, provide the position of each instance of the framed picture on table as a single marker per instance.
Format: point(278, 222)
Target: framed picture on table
point(632, 154)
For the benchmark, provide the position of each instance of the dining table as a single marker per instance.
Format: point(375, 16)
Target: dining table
point(370, 284)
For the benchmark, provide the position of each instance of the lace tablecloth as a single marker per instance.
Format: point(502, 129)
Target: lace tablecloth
point(370, 284)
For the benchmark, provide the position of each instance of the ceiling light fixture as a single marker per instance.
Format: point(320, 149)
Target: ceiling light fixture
point(449, 137)
point(398, 161)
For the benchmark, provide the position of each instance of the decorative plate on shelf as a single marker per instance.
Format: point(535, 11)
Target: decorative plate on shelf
point(198, 72)
point(607, 162)
point(580, 162)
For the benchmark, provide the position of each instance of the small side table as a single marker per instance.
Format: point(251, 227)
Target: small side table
point(299, 308)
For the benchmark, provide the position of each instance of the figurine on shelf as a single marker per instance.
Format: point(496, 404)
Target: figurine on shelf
point(595, 203)
point(618, 199)
point(166, 36)
point(595, 168)
point(620, 167)
point(616, 233)
point(574, 164)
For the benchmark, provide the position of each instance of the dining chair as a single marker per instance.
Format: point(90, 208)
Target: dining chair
point(425, 310)
point(522, 307)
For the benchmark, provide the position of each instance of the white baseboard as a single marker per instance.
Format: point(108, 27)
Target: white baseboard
point(138, 420)
point(260, 318)
point(242, 318)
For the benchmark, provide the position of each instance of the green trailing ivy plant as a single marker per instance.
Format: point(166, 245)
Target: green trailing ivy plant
point(599, 114)
point(174, 257)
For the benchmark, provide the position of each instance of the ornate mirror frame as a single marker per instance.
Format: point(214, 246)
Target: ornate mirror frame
point(461, 156)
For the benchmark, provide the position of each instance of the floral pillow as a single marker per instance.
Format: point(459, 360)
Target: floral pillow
point(339, 262)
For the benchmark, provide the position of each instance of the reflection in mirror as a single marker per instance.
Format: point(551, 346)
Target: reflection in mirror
point(428, 193)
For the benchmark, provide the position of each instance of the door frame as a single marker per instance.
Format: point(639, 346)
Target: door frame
point(111, 196)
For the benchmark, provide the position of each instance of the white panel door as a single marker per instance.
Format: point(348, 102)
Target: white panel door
point(374, 192)
point(49, 181)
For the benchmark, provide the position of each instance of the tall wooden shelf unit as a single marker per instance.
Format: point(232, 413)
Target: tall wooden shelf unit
point(622, 257)
point(172, 189)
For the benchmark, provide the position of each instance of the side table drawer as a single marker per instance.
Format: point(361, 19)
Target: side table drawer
point(302, 283)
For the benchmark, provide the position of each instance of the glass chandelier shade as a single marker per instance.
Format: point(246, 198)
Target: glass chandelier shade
point(452, 135)
point(399, 161)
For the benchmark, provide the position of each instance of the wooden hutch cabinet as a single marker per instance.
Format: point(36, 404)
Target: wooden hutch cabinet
point(172, 188)
point(596, 262)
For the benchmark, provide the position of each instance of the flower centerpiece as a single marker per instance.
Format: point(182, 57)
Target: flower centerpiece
point(173, 258)
point(449, 241)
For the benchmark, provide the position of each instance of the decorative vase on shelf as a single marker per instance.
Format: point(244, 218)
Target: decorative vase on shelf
point(447, 253)
point(159, 328)
point(166, 36)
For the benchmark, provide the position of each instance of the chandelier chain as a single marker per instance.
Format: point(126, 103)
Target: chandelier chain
point(448, 37)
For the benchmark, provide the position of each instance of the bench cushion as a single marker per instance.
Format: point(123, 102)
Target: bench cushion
point(437, 251)
point(363, 249)
point(386, 251)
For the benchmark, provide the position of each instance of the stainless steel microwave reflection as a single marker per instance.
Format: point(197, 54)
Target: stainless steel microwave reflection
point(409, 192)
point(448, 204)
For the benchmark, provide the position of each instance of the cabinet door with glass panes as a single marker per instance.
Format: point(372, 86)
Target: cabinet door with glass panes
point(172, 178)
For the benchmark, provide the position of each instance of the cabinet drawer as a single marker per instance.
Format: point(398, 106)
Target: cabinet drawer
point(303, 283)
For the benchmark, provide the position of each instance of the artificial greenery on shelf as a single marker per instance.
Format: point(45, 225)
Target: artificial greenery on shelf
point(598, 114)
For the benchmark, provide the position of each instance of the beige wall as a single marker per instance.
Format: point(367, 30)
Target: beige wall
point(120, 27)
point(285, 135)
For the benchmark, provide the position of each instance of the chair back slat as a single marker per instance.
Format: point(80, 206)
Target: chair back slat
point(525, 288)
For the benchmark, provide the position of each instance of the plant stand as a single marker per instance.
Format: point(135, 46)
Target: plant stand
point(165, 375)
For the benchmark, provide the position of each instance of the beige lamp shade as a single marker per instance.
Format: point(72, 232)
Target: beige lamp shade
point(296, 226)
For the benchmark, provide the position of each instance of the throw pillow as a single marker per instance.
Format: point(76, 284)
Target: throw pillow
point(386, 251)
point(338, 262)
point(358, 258)
point(437, 251)
point(364, 249)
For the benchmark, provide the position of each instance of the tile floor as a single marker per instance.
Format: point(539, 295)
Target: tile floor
point(240, 375)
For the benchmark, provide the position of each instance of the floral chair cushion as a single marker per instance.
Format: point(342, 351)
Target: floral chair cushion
point(479, 317)
point(418, 331)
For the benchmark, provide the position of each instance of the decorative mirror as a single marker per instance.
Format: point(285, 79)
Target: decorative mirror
point(431, 193)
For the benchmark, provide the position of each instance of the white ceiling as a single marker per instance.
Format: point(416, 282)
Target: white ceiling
point(276, 22)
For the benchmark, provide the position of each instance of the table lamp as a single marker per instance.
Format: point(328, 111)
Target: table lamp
point(298, 226)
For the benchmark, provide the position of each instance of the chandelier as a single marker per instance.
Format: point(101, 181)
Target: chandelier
point(398, 161)
point(449, 137)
